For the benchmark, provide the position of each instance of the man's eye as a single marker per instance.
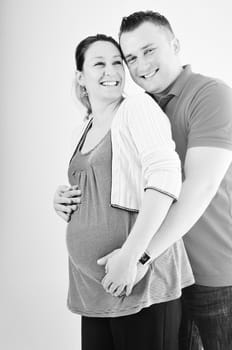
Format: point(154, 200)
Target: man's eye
point(148, 51)
point(131, 60)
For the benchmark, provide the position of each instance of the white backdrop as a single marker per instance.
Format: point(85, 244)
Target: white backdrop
point(38, 114)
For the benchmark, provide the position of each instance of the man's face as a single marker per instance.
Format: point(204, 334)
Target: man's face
point(151, 53)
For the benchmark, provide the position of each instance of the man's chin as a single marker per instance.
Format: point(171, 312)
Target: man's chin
point(148, 86)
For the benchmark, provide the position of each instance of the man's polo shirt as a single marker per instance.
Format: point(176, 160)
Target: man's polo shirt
point(200, 112)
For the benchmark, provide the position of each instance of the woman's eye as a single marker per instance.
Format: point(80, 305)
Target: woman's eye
point(118, 62)
point(99, 64)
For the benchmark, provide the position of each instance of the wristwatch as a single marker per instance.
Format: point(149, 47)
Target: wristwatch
point(145, 259)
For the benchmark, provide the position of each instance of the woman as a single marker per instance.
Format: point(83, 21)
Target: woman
point(129, 174)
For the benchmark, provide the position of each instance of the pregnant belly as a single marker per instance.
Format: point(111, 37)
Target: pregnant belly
point(89, 237)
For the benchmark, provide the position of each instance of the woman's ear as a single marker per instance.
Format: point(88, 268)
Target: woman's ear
point(80, 78)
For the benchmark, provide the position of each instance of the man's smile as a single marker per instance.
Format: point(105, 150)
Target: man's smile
point(150, 74)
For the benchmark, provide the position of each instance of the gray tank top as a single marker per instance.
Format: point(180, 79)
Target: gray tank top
point(95, 229)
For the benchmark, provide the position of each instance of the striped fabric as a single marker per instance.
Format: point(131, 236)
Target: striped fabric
point(143, 153)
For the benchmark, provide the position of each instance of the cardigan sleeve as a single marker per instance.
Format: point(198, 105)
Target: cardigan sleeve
point(150, 130)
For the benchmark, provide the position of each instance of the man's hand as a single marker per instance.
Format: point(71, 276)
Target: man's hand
point(121, 273)
point(66, 200)
point(141, 272)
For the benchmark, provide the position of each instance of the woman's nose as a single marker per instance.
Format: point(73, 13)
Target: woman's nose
point(109, 70)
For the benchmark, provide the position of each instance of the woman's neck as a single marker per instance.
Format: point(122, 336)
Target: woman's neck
point(103, 112)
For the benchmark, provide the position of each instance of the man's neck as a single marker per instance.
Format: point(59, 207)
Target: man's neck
point(169, 87)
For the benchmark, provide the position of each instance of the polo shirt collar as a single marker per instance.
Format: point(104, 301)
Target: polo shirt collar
point(179, 83)
point(176, 86)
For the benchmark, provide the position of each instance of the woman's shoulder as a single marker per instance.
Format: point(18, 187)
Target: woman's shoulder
point(139, 101)
point(139, 97)
point(79, 131)
point(140, 105)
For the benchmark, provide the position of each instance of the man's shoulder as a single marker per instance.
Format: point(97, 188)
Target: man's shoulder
point(198, 82)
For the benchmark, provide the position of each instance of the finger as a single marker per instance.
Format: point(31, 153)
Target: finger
point(64, 216)
point(71, 193)
point(65, 204)
point(63, 208)
point(74, 207)
point(119, 291)
point(103, 280)
point(74, 187)
point(62, 200)
point(113, 288)
point(75, 200)
point(129, 289)
point(103, 260)
point(62, 188)
point(106, 282)
point(66, 200)
point(71, 208)
point(123, 294)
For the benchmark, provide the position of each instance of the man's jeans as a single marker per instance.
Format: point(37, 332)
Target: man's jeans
point(209, 311)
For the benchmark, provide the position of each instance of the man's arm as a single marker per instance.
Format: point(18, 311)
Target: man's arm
point(205, 168)
point(121, 267)
point(160, 173)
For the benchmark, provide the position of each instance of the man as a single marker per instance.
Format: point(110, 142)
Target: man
point(200, 112)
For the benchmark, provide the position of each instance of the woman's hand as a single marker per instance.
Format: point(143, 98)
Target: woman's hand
point(66, 200)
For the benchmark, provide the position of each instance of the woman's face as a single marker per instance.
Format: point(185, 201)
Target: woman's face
point(103, 73)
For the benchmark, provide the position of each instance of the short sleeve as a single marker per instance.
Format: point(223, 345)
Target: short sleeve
point(210, 122)
point(150, 131)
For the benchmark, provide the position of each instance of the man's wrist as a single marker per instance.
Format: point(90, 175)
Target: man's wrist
point(145, 259)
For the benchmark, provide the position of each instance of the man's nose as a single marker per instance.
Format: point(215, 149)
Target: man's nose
point(142, 66)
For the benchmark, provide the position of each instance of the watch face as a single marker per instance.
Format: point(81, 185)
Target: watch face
point(144, 258)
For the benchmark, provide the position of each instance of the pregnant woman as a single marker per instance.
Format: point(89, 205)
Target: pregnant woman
point(129, 174)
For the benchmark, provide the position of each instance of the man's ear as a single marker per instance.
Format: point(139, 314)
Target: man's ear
point(176, 45)
point(80, 78)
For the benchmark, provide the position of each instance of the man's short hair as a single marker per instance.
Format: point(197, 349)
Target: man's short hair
point(133, 21)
